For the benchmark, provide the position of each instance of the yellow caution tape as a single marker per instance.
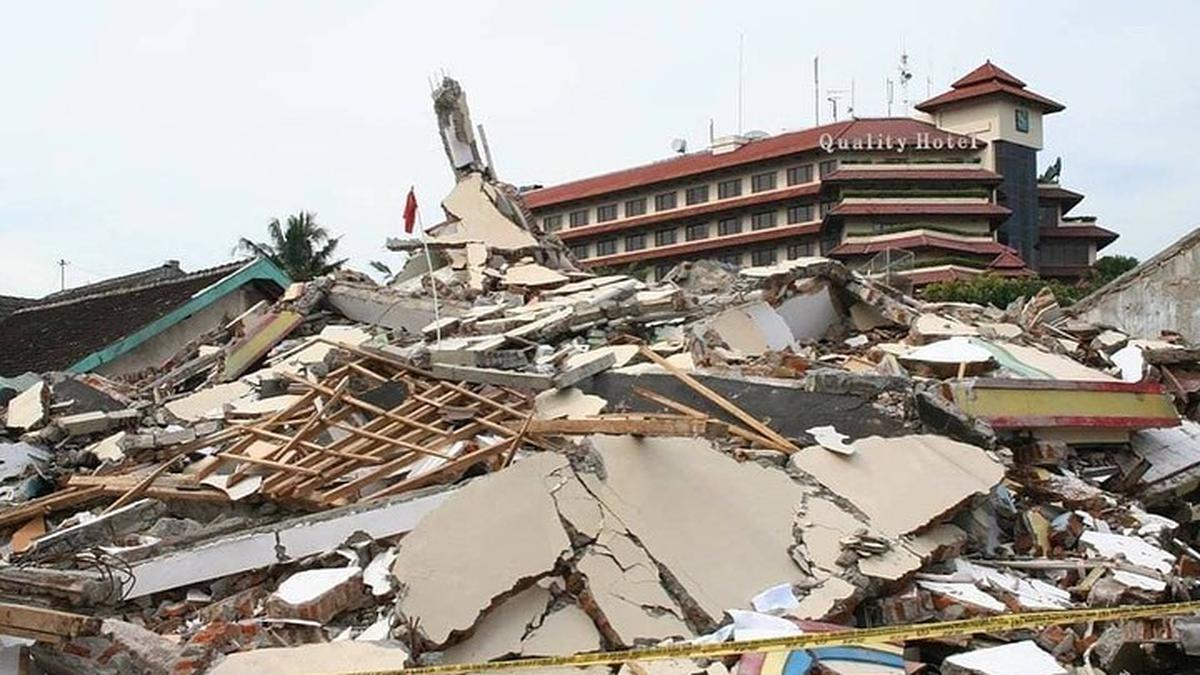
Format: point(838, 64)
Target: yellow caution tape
point(854, 636)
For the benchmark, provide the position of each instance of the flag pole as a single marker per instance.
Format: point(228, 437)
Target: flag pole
point(437, 319)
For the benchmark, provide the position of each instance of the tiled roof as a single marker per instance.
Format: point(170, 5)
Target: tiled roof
point(712, 243)
point(698, 163)
point(55, 335)
point(912, 174)
point(706, 209)
point(1102, 236)
point(986, 209)
point(921, 240)
point(987, 80)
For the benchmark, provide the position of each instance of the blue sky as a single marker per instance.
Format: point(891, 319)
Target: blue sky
point(136, 132)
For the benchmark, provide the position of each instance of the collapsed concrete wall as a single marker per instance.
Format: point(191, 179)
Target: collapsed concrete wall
point(1161, 294)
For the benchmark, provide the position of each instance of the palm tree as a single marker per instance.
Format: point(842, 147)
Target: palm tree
point(304, 249)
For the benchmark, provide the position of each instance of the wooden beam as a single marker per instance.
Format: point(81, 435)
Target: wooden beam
point(671, 404)
point(63, 499)
point(749, 420)
point(637, 425)
point(46, 625)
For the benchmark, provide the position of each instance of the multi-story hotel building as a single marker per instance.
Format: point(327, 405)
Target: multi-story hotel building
point(951, 195)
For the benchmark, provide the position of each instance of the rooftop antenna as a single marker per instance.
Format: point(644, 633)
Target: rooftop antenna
point(816, 91)
point(712, 136)
point(741, 42)
point(835, 95)
point(850, 110)
point(62, 274)
point(890, 88)
point(905, 76)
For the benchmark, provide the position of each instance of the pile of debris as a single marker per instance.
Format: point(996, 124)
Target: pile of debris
point(504, 457)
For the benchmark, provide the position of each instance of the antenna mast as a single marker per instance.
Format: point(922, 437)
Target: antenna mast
point(62, 274)
point(905, 76)
point(741, 43)
point(816, 91)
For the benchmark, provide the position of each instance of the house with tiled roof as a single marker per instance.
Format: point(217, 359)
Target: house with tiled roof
point(950, 195)
point(127, 324)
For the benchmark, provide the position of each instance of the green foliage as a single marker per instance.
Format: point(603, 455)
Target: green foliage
point(1110, 267)
point(989, 289)
point(304, 249)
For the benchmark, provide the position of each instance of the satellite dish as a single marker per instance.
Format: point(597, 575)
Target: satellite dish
point(679, 145)
point(756, 135)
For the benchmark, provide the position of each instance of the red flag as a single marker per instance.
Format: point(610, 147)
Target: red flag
point(410, 211)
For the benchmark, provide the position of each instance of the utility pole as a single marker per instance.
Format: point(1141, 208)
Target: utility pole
point(62, 274)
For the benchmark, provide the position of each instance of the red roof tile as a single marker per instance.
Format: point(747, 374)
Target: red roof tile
point(988, 71)
point(987, 80)
point(697, 163)
point(921, 277)
point(921, 240)
point(920, 209)
point(691, 247)
point(690, 212)
point(1008, 260)
point(981, 175)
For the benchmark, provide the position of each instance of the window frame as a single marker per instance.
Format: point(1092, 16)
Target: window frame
point(639, 237)
point(640, 208)
point(600, 212)
point(722, 223)
point(771, 177)
point(701, 192)
point(737, 189)
point(662, 235)
point(552, 223)
point(755, 261)
point(585, 213)
point(662, 197)
point(808, 168)
point(689, 229)
point(827, 167)
point(769, 215)
point(808, 210)
point(601, 244)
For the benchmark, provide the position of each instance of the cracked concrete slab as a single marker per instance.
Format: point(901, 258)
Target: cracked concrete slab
point(834, 596)
point(499, 533)
point(566, 630)
point(502, 630)
point(628, 598)
point(824, 525)
point(903, 484)
point(721, 528)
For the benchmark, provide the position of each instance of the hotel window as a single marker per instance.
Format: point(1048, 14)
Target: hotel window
point(803, 250)
point(764, 256)
point(762, 182)
point(665, 201)
point(827, 167)
point(801, 213)
point(579, 218)
point(729, 226)
point(665, 237)
point(635, 207)
point(696, 195)
point(635, 242)
point(762, 221)
point(799, 175)
point(580, 251)
point(1022, 120)
point(606, 247)
point(826, 207)
point(1064, 253)
point(1048, 216)
point(606, 213)
point(552, 223)
point(729, 188)
point(734, 259)
point(696, 231)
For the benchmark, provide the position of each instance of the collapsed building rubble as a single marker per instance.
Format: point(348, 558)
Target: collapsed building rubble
point(551, 462)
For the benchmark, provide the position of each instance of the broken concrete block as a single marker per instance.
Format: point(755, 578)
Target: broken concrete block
point(85, 423)
point(498, 534)
point(209, 402)
point(326, 658)
point(904, 484)
point(500, 632)
point(625, 593)
point(677, 495)
point(102, 530)
point(931, 327)
point(566, 402)
point(502, 378)
point(583, 366)
point(28, 410)
point(318, 595)
point(1017, 658)
point(566, 630)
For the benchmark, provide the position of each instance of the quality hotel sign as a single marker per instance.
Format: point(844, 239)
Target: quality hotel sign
point(919, 142)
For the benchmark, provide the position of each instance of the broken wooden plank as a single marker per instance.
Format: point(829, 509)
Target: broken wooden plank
point(778, 441)
point(637, 425)
point(63, 499)
point(46, 625)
